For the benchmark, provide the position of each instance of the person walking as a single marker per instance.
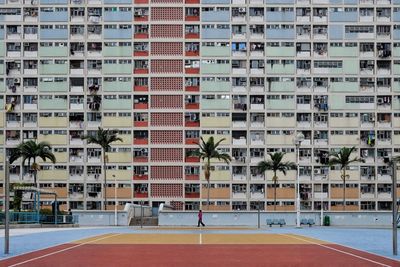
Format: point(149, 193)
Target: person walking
point(200, 217)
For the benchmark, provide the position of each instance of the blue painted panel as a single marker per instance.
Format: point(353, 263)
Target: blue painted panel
point(343, 16)
point(396, 34)
point(279, 16)
point(53, 34)
point(218, 16)
point(396, 2)
point(53, 16)
point(117, 1)
point(53, 2)
point(280, 34)
point(215, 1)
point(336, 32)
point(117, 33)
point(335, 2)
point(350, 2)
point(110, 16)
point(279, 2)
point(215, 33)
point(396, 16)
point(2, 2)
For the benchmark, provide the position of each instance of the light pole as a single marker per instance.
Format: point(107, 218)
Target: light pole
point(7, 209)
point(297, 141)
point(394, 207)
point(322, 203)
point(115, 200)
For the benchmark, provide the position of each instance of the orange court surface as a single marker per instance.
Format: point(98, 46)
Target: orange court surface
point(198, 249)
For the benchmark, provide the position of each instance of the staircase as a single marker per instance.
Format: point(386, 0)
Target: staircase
point(147, 221)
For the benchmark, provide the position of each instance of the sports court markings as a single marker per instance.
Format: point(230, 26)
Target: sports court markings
point(62, 250)
point(337, 250)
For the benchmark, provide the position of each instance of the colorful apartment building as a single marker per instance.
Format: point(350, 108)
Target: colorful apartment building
point(162, 73)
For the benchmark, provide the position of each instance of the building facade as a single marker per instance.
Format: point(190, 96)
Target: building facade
point(162, 73)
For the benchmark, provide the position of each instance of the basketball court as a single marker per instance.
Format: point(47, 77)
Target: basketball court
point(199, 248)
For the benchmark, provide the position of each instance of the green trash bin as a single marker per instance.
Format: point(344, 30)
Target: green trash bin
point(327, 221)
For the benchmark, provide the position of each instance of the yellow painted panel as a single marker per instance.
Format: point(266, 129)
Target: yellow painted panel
point(336, 175)
point(126, 139)
point(53, 175)
point(344, 140)
point(218, 137)
point(120, 175)
point(218, 176)
point(290, 176)
point(279, 140)
point(117, 122)
point(344, 122)
point(1, 139)
point(119, 157)
point(53, 139)
point(280, 122)
point(396, 139)
point(53, 122)
point(396, 122)
point(1, 119)
point(216, 122)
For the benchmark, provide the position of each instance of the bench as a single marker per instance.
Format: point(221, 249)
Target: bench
point(279, 222)
point(310, 222)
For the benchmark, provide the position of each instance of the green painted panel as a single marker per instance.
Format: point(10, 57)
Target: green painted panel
point(2, 49)
point(2, 103)
point(396, 51)
point(215, 68)
point(58, 51)
point(282, 86)
point(117, 51)
point(280, 104)
point(343, 87)
point(117, 104)
point(343, 51)
point(117, 69)
point(54, 103)
point(53, 69)
point(2, 86)
point(338, 102)
point(280, 51)
point(281, 69)
point(215, 51)
point(351, 66)
point(396, 104)
point(215, 86)
point(396, 86)
point(215, 104)
point(1, 68)
point(53, 86)
point(117, 86)
point(396, 69)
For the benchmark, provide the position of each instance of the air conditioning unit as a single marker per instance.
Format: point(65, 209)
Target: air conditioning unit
point(371, 119)
point(242, 9)
point(17, 80)
point(317, 171)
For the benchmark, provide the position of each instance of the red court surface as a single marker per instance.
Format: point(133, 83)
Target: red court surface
point(121, 251)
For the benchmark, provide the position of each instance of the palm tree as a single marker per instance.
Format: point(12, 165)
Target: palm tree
point(207, 151)
point(275, 164)
point(30, 150)
point(103, 138)
point(342, 158)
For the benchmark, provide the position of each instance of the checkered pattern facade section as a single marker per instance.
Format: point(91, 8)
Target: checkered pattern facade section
point(166, 190)
point(167, 13)
point(167, 173)
point(167, 49)
point(166, 66)
point(167, 101)
point(166, 137)
point(166, 84)
point(166, 119)
point(177, 205)
point(166, 31)
point(166, 154)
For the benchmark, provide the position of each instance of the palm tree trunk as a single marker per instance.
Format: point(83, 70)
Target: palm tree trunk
point(275, 194)
point(35, 173)
point(208, 176)
point(105, 179)
point(344, 189)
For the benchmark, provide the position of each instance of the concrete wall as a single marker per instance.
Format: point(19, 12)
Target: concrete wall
point(377, 219)
point(100, 218)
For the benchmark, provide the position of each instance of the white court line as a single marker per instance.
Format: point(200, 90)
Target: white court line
point(62, 250)
point(338, 250)
point(201, 239)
